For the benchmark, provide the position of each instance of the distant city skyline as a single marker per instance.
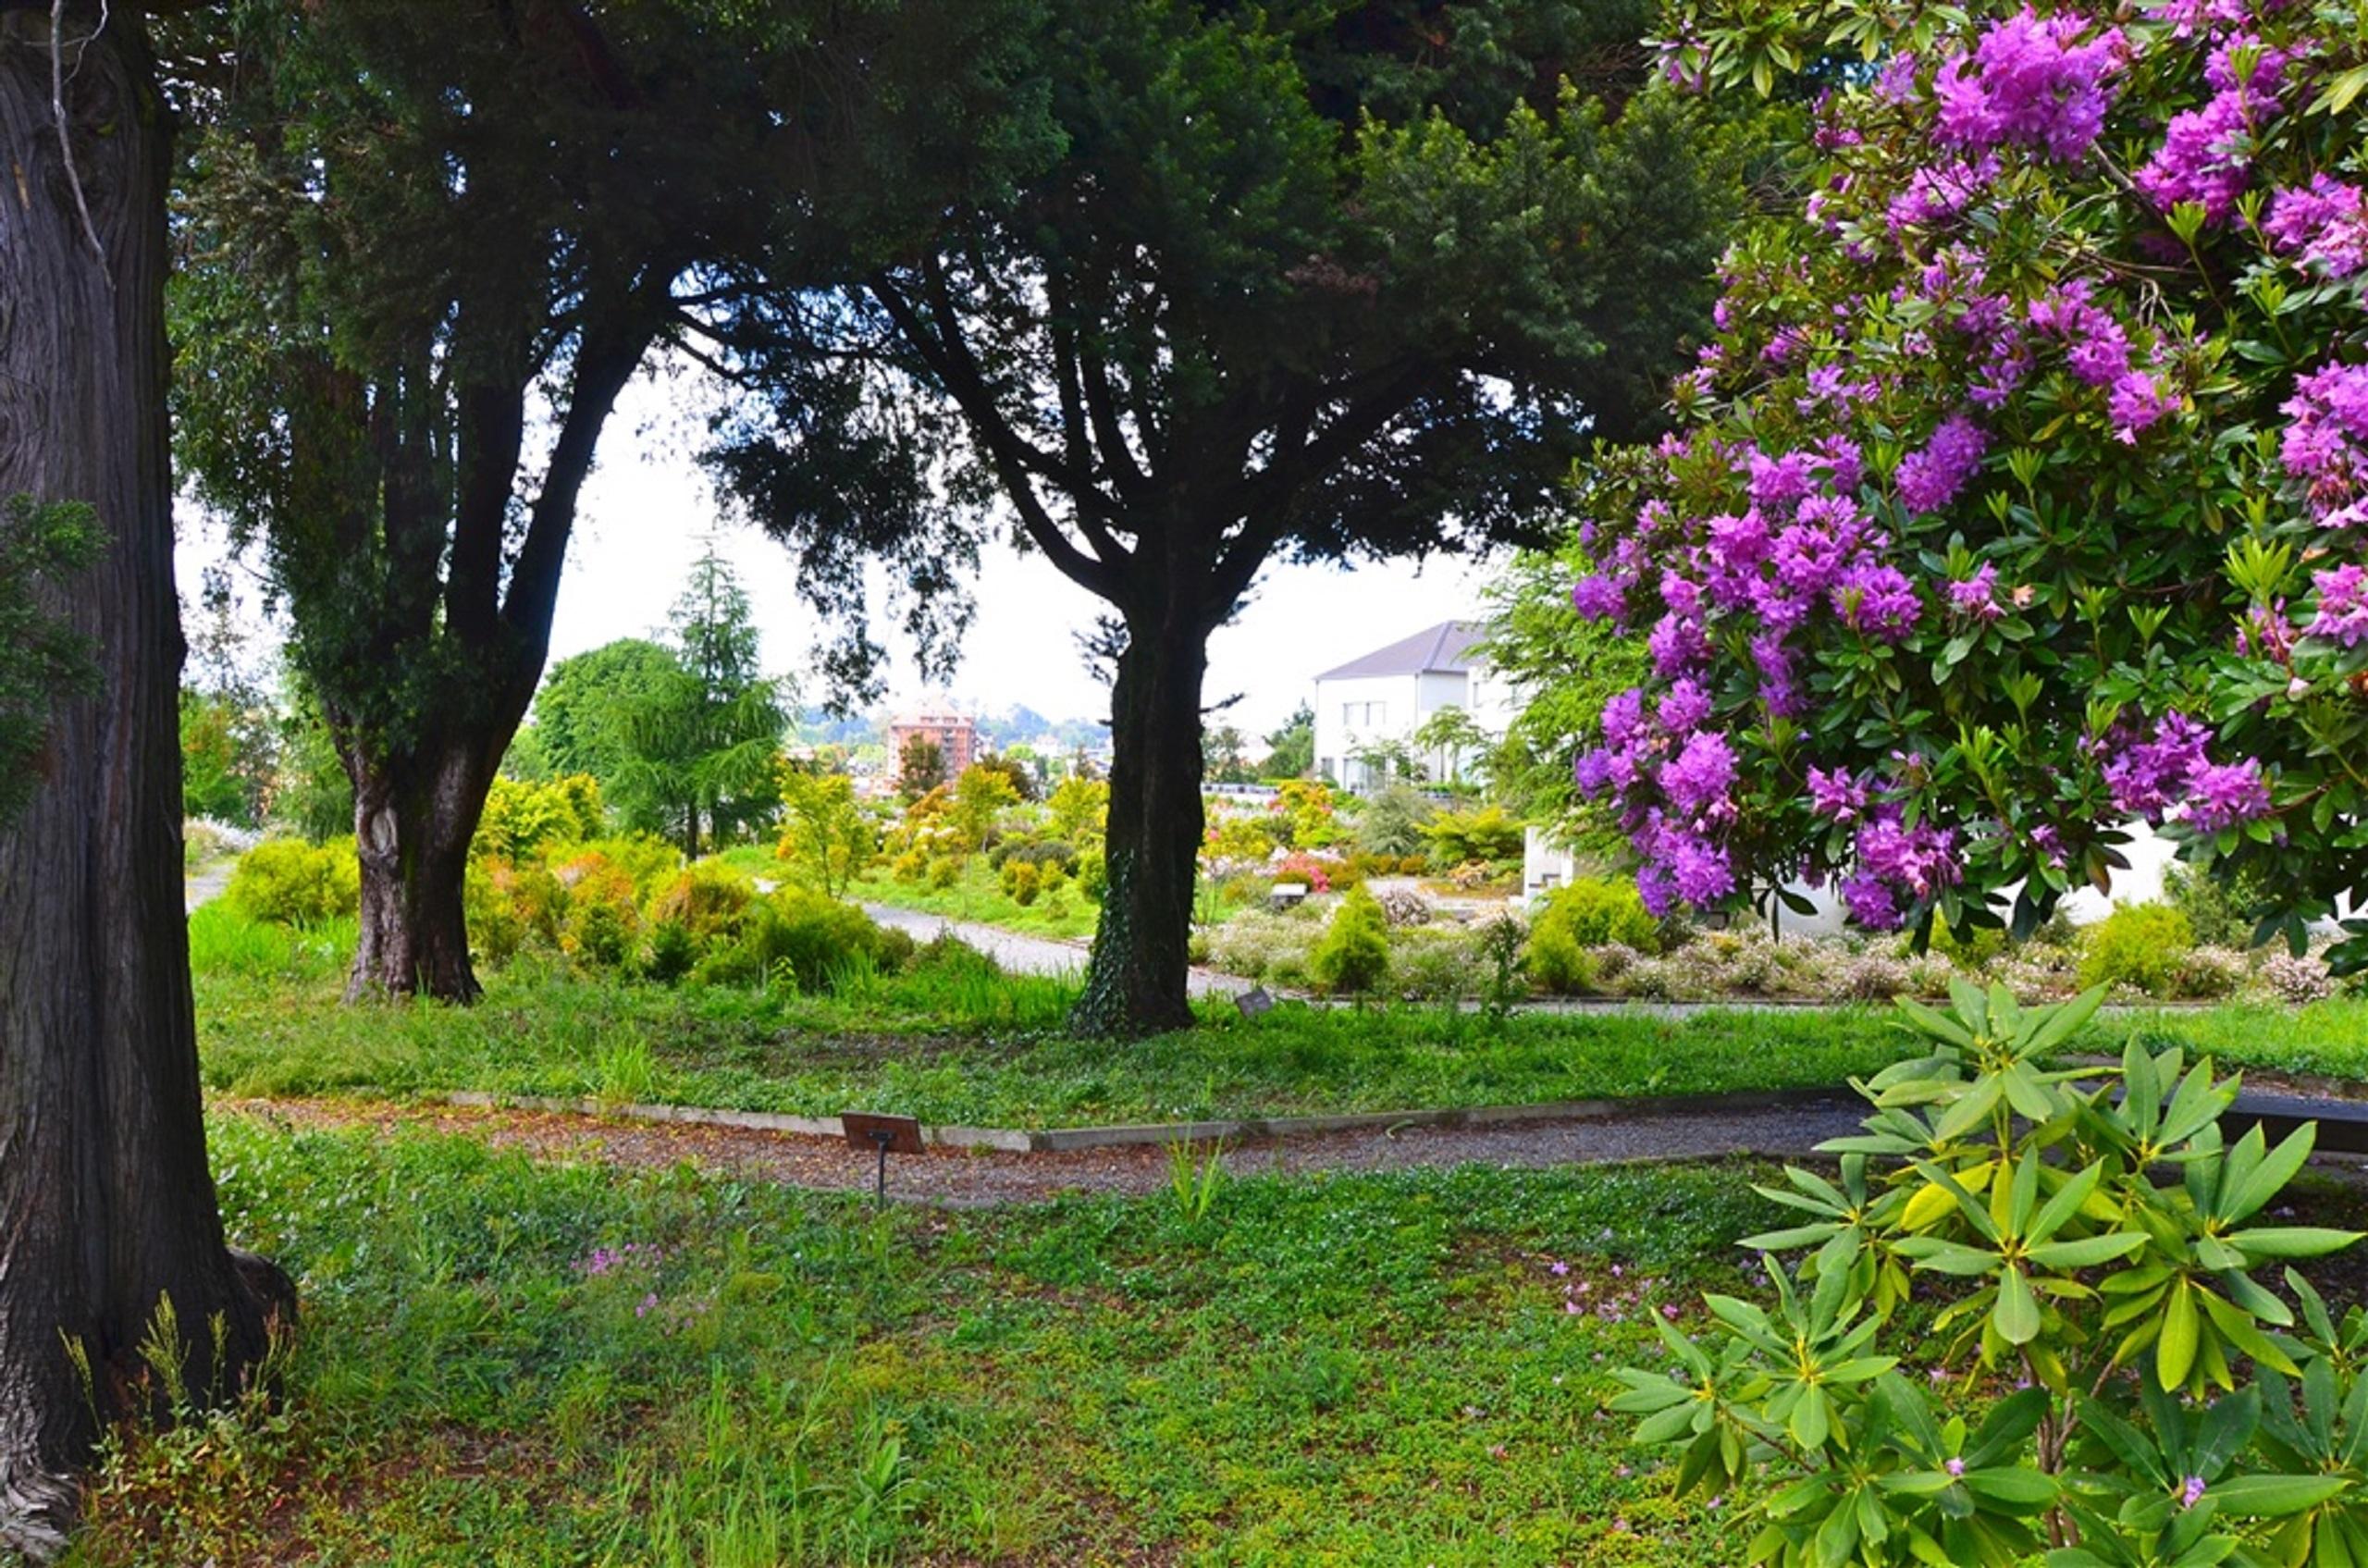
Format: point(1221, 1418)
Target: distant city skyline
point(624, 572)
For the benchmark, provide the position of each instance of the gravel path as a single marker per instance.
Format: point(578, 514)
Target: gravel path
point(206, 884)
point(1030, 954)
point(975, 1178)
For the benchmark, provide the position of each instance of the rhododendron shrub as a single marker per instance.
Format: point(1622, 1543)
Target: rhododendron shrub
point(2024, 490)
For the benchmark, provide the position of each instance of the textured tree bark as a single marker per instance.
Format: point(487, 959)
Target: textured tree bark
point(1135, 981)
point(106, 1208)
point(413, 820)
point(417, 804)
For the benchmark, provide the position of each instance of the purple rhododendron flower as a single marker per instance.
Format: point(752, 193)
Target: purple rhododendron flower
point(2030, 83)
point(1870, 901)
point(1977, 596)
point(1700, 871)
point(2139, 402)
point(1931, 479)
point(1624, 717)
point(2227, 794)
point(2326, 445)
point(2148, 777)
point(1598, 598)
point(1678, 646)
point(1684, 707)
point(2322, 223)
point(2206, 158)
point(1877, 601)
point(2342, 617)
point(1835, 794)
point(1699, 777)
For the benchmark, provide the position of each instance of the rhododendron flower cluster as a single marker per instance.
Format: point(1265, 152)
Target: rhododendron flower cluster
point(1977, 534)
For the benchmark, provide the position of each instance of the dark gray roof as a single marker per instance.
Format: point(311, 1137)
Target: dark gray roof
point(1443, 649)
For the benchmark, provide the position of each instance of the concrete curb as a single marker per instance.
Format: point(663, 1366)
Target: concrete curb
point(1236, 1129)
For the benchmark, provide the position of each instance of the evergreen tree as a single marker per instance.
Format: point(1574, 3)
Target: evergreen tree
point(107, 1208)
point(1291, 751)
point(703, 739)
point(1315, 281)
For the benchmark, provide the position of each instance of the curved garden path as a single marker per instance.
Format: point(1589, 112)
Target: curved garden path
point(969, 1178)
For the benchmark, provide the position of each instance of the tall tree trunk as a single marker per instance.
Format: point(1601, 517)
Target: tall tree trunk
point(107, 1212)
point(1135, 981)
point(414, 815)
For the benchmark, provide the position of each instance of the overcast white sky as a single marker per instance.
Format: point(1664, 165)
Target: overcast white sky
point(648, 508)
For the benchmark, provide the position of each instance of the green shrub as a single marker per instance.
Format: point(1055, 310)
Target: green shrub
point(1392, 823)
point(1045, 854)
point(287, 882)
point(1593, 911)
point(1557, 963)
point(2219, 912)
point(1971, 947)
point(521, 818)
point(672, 952)
point(2142, 945)
point(600, 920)
point(1354, 953)
point(799, 935)
point(945, 872)
point(1092, 875)
point(1022, 880)
point(1489, 835)
point(709, 901)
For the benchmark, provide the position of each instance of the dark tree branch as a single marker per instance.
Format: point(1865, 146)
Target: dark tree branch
point(962, 383)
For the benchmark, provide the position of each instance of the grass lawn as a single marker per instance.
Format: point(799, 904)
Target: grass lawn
point(976, 896)
point(952, 1042)
point(955, 1043)
point(1366, 1371)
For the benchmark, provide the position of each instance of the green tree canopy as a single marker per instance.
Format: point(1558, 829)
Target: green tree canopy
point(703, 740)
point(1314, 281)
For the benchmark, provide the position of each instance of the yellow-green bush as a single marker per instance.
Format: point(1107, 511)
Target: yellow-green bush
point(1593, 911)
point(289, 882)
point(2142, 945)
point(1556, 962)
point(801, 936)
point(1022, 880)
point(1354, 953)
point(709, 902)
point(601, 921)
point(520, 818)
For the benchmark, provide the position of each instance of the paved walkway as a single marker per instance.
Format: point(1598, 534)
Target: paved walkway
point(1030, 954)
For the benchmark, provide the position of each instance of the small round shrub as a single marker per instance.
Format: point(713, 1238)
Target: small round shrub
point(1092, 875)
point(287, 882)
point(2142, 945)
point(945, 872)
point(2209, 973)
point(2298, 982)
point(1022, 880)
point(496, 929)
point(1354, 953)
point(710, 903)
point(1593, 910)
point(1556, 962)
point(601, 922)
point(1973, 948)
point(800, 937)
point(672, 952)
point(1436, 963)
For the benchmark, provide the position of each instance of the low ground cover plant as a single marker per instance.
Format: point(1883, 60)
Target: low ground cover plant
point(2117, 1384)
point(575, 1363)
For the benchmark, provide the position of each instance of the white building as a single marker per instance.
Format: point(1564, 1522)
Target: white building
point(1384, 697)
